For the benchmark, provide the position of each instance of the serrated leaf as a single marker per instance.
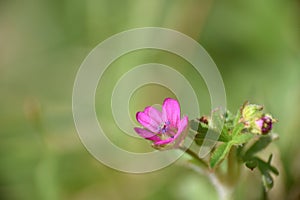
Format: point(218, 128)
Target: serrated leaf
point(219, 154)
point(243, 138)
point(259, 145)
point(202, 133)
point(237, 118)
point(225, 137)
point(237, 129)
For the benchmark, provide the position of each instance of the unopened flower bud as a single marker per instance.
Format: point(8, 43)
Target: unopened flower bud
point(255, 120)
point(251, 112)
point(264, 124)
point(251, 164)
point(204, 120)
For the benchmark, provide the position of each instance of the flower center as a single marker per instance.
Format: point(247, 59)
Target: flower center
point(163, 128)
point(166, 129)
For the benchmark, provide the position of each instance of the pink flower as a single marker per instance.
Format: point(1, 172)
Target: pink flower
point(163, 127)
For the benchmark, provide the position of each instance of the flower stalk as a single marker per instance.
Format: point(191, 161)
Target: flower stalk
point(201, 162)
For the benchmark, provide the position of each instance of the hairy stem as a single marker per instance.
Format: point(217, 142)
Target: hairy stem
point(195, 156)
point(223, 191)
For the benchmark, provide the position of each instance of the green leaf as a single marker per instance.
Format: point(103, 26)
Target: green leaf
point(237, 118)
point(202, 130)
point(225, 136)
point(267, 180)
point(198, 126)
point(260, 144)
point(265, 168)
point(243, 138)
point(270, 159)
point(219, 154)
point(237, 129)
point(213, 136)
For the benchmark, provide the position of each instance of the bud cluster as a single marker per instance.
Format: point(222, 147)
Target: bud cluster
point(255, 119)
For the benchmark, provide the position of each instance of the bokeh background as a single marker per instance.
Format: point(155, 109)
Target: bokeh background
point(255, 44)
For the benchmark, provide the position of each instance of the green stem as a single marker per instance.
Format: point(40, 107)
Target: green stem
point(224, 192)
point(233, 167)
point(195, 156)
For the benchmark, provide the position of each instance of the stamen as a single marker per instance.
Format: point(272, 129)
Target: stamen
point(164, 127)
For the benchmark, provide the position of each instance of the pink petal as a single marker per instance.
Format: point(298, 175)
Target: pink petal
point(171, 111)
point(143, 132)
point(147, 122)
point(162, 142)
point(147, 134)
point(154, 114)
point(182, 131)
point(259, 123)
point(182, 125)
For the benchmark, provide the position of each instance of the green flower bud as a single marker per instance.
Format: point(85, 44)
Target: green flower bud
point(251, 164)
point(251, 112)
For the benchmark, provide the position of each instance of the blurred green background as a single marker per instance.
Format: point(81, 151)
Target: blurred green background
point(255, 44)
